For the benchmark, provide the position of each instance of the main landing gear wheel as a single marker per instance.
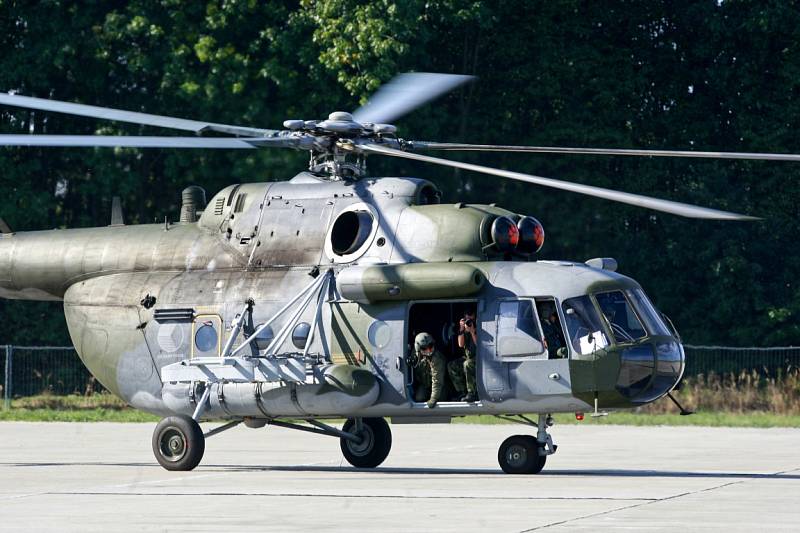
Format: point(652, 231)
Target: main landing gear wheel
point(519, 454)
point(178, 443)
point(376, 441)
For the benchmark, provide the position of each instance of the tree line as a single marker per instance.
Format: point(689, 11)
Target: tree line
point(689, 75)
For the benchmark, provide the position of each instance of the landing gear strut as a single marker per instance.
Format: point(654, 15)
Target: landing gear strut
point(526, 454)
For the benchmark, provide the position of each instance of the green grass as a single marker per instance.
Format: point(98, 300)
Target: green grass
point(76, 415)
point(73, 408)
point(745, 420)
point(108, 408)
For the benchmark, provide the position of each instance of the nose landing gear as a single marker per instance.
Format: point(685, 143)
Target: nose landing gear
point(526, 454)
point(519, 454)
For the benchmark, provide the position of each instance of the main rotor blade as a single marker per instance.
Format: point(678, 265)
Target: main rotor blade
point(107, 113)
point(405, 93)
point(667, 206)
point(459, 147)
point(139, 142)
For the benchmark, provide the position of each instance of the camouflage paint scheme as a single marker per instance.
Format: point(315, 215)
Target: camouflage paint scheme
point(261, 241)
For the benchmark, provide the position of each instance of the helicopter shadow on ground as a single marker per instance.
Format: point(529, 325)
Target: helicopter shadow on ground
point(600, 473)
point(492, 471)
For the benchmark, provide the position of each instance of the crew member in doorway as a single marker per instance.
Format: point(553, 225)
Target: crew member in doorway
point(462, 370)
point(429, 370)
point(553, 337)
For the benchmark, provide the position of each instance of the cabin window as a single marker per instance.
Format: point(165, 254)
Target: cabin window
point(300, 335)
point(264, 338)
point(205, 340)
point(206, 336)
point(518, 333)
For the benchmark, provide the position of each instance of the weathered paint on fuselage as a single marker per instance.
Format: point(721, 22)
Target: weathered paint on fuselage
point(261, 241)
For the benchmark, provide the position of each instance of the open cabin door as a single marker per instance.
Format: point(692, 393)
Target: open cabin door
point(440, 319)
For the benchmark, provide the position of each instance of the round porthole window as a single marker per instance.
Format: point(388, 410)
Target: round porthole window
point(379, 334)
point(264, 337)
point(300, 335)
point(205, 339)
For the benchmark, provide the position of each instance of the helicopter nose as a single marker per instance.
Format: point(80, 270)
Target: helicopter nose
point(650, 370)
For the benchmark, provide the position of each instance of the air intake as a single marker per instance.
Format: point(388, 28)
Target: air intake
point(193, 199)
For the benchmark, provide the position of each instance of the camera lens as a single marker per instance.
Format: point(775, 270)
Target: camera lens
point(469, 323)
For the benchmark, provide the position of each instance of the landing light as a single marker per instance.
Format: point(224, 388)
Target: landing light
point(578, 416)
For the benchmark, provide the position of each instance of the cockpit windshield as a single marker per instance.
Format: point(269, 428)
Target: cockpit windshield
point(584, 325)
point(647, 312)
point(625, 325)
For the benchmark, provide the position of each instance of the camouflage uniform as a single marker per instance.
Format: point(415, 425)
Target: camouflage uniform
point(429, 374)
point(462, 370)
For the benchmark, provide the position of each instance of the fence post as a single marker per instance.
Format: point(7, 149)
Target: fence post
point(7, 383)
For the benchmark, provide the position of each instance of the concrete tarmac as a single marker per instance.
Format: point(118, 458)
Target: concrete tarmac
point(103, 477)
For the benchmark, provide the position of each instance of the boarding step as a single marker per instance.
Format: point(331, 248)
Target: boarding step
point(244, 369)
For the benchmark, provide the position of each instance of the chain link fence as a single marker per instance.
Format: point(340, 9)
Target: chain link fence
point(32, 370)
point(771, 362)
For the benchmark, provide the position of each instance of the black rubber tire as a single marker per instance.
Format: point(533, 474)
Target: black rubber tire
point(375, 447)
point(178, 443)
point(519, 454)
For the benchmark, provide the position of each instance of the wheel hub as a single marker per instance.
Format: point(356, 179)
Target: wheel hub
point(516, 455)
point(363, 446)
point(173, 444)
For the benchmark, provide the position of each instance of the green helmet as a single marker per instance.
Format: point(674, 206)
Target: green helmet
point(423, 340)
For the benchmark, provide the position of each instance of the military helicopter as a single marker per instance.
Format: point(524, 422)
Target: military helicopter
point(297, 302)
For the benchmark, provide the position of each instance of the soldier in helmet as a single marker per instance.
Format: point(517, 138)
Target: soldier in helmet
point(429, 370)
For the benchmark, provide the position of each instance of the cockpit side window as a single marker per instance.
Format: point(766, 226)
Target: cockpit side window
point(625, 325)
point(518, 333)
point(584, 325)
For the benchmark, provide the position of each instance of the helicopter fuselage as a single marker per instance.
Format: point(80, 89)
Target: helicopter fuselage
point(139, 299)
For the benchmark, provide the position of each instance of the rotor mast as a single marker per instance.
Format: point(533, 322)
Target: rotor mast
point(334, 152)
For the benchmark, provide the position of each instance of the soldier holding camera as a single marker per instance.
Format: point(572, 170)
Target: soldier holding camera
point(462, 370)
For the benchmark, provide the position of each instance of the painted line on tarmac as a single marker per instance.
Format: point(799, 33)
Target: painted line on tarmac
point(96, 488)
point(657, 500)
point(347, 496)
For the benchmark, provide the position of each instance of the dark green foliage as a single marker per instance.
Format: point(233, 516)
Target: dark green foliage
point(674, 75)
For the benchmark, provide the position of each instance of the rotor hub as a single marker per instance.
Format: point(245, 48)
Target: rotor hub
point(334, 143)
point(343, 116)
